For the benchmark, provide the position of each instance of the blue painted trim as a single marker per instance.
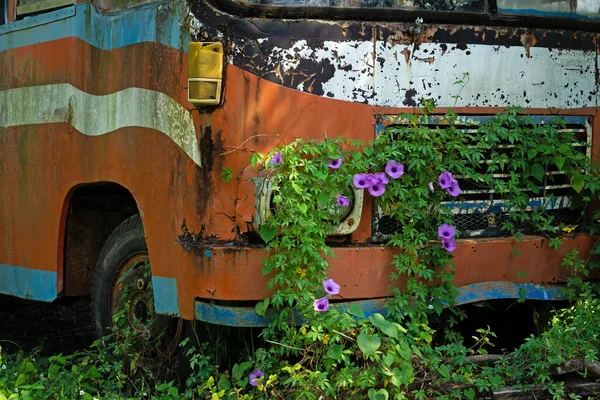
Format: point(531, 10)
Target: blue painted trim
point(246, 317)
point(555, 14)
point(508, 290)
point(28, 283)
point(166, 298)
point(106, 32)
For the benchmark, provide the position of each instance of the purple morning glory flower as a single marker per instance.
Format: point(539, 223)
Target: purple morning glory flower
point(381, 178)
point(449, 245)
point(256, 376)
point(331, 287)
point(446, 231)
point(372, 179)
point(277, 158)
point(377, 189)
point(343, 201)
point(394, 169)
point(322, 304)
point(335, 163)
point(431, 186)
point(361, 181)
point(454, 190)
point(446, 180)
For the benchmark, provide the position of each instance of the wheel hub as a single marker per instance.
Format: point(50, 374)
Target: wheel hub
point(155, 337)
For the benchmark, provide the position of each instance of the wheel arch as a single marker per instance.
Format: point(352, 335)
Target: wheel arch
point(90, 212)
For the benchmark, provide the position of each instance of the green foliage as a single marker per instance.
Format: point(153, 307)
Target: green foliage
point(226, 175)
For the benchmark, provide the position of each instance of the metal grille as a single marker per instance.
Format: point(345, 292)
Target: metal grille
point(481, 212)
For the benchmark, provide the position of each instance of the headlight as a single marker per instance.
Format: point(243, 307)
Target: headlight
point(349, 216)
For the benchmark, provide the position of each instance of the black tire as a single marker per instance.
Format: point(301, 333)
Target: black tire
point(122, 284)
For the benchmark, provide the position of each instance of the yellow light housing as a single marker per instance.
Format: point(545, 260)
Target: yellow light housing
point(205, 72)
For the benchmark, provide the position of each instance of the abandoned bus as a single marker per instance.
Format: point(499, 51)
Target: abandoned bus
point(118, 117)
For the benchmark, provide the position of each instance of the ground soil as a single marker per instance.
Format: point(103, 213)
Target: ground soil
point(63, 326)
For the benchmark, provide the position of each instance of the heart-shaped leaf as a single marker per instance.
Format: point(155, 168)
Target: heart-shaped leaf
point(356, 311)
point(538, 171)
point(267, 233)
point(368, 345)
point(261, 307)
point(385, 326)
point(578, 183)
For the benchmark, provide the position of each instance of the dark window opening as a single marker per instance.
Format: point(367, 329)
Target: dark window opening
point(430, 5)
point(2, 12)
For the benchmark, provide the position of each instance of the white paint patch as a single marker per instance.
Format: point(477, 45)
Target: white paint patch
point(498, 76)
point(379, 74)
point(98, 115)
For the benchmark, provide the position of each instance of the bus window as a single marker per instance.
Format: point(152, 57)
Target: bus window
point(33, 7)
point(434, 5)
point(581, 9)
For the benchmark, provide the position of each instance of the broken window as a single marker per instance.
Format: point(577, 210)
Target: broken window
point(582, 9)
point(434, 5)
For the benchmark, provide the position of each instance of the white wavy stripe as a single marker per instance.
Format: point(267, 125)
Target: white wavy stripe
point(98, 115)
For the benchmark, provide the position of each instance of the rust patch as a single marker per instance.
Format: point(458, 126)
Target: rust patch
point(528, 40)
point(406, 53)
point(428, 60)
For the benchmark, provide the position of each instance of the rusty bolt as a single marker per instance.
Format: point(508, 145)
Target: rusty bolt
point(121, 287)
point(140, 283)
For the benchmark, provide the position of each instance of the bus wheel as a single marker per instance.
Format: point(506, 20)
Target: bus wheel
point(123, 298)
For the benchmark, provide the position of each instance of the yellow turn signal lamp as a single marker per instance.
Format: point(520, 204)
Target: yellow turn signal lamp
point(205, 72)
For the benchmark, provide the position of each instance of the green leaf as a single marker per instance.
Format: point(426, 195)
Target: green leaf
point(356, 311)
point(321, 174)
point(21, 379)
point(531, 153)
point(403, 350)
point(267, 233)
point(469, 393)
point(565, 148)
point(323, 198)
point(577, 183)
point(560, 162)
point(335, 352)
point(389, 358)
point(368, 345)
point(385, 326)
point(380, 394)
point(261, 307)
point(255, 158)
point(302, 207)
point(403, 376)
point(226, 175)
point(537, 171)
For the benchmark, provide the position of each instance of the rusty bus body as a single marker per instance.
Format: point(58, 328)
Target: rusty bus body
point(96, 126)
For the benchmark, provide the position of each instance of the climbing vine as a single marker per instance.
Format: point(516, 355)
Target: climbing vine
point(412, 169)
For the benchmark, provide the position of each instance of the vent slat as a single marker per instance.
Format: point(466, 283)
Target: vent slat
point(481, 211)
